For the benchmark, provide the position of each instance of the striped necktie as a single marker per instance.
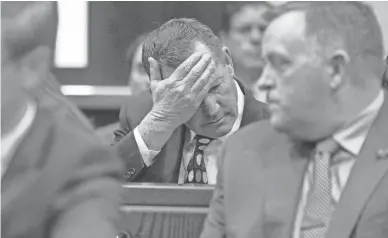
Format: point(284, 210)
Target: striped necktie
point(319, 204)
point(196, 168)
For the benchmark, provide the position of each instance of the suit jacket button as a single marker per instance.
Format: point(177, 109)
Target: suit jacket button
point(129, 175)
point(132, 171)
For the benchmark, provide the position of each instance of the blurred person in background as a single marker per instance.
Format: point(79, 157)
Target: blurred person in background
point(34, 33)
point(243, 24)
point(138, 79)
point(57, 179)
point(169, 134)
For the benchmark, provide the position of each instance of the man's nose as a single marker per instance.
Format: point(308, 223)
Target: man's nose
point(255, 36)
point(266, 81)
point(210, 106)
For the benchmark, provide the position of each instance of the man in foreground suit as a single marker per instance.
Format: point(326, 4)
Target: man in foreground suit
point(57, 180)
point(27, 24)
point(197, 102)
point(320, 167)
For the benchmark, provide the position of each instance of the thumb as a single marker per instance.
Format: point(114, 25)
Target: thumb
point(154, 71)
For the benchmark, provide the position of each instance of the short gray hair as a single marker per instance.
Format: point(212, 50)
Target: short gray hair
point(174, 41)
point(351, 23)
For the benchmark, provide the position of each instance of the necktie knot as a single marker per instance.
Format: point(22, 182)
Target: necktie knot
point(202, 140)
point(328, 146)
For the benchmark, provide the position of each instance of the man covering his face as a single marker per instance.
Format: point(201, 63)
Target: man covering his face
point(195, 101)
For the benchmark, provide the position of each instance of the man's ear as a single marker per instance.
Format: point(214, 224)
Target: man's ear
point(228, 59)
point(36, 66)
point(337, 66)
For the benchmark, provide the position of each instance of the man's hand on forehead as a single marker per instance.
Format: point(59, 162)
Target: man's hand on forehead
point(176, 98)
point(186, 88)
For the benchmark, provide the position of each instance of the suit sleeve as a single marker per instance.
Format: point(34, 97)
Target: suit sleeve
point(88, 197)
point(214, 226)
point(127, 148)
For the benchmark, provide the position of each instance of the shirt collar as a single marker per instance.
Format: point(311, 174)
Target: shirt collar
point(11, 140)
point(240, 111)
point(353, 135)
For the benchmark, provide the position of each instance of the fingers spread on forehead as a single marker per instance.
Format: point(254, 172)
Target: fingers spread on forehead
point(184, 68)
point(197, 71)
point(205, 81)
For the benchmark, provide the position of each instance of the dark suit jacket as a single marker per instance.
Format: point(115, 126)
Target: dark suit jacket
point(167, 163)
point(61, 182)
point(264, 203)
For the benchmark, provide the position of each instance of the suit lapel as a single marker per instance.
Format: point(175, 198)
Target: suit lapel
point(369, 169)
point(253, 110)
point(284, 176)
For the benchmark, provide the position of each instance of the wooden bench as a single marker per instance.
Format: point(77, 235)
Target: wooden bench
point(163, 211)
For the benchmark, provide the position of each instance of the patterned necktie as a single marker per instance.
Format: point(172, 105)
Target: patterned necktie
point(319, 203)
point(196, 169)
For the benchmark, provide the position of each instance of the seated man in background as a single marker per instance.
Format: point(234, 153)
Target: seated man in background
point(137, 79)
point(57, 180)
point(172, 133)
point(243, 24)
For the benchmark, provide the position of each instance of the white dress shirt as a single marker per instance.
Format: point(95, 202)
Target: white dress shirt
point(11, 140)
point(351, 139)
point(211, 165)
point(258, 94)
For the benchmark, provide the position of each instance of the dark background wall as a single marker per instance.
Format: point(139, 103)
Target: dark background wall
point(112, 27)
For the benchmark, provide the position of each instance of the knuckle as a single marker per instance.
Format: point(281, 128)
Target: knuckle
point(202, 82)
point(172, 84)
point(176, 90)
point(196, 73)
point(187, 98)
point(181, 89)
point(187, 67)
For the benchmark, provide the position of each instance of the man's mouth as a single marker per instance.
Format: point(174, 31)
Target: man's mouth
point(215, 121)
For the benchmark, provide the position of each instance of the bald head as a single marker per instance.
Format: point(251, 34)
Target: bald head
point(348, 26)
point(319, 55)
point(289, 29)
point(27, 25)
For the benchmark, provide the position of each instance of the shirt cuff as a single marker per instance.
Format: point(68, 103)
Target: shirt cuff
point(147, 155)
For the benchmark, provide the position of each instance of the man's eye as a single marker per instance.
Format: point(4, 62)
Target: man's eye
point(283, 63)
point(263, 28)
point(213, 89)
point(244, 29)
point(279, 63)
